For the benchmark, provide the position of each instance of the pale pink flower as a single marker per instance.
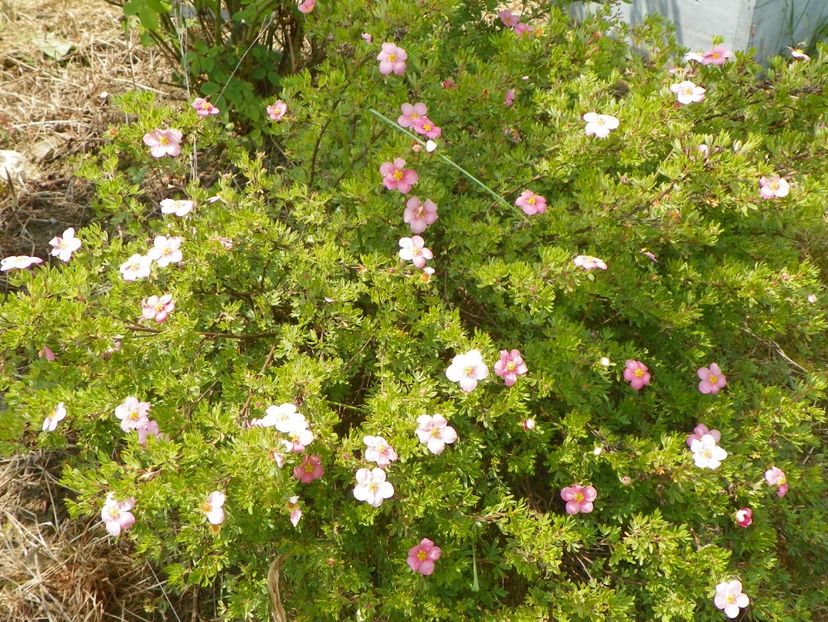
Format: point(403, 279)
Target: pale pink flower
point(687, 92)
point(52, 419)
point(579, 498)
point(177, 207)
point(307, 6)
point(371, 486)
point(63, 246)
point(311, 469)
point(204, 108)
point(136, 267)
point(712, 379)
point(18, 262)
point(297, 439)
point(699, 431)
point(163, 142)
point(368, 37)
point(637, 374)
point(396, 177)
point(116, 515)
point(510, 366)
point(811, 298)
point(719, 55)
point(744, 517)
point(419, 215)
point(132, 413)
point(295, 510)
point(467, 369)
point(421, 558)
point(392, 59)
point(531, 203)
point(411, 113)
point(378, 450)
point(522, 29)
point(730, 599)
point(599, 125)
point(509, 19)
point(706, 453)
point(692, 56)
point(276, 111)
point(528, 424)
point(278, 457)
point(435, 432)
point(509, 98)
point(799, 54)
point(775, 476)
point(412, 249)
point(46, 352)
point(166, 250)
point(588, 262)
point(774, 187)
point(426, 127)
point(213, 507)
point(157, 308)
point(147, 430)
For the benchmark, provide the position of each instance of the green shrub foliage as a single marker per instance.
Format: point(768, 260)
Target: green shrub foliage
point(290, 291)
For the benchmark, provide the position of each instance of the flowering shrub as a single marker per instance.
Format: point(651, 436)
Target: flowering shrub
point(498, 418)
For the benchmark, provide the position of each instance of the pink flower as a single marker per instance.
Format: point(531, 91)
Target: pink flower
point(136, 267)
point(18, 262)
point(522, 29)
point(426, 127)
point(509, 98)
point(419, 215)
point(706, 453)
point(378, 450)
point(712, 379)
point(531, 203)
point(311, 469)
point(578, 498)
point(46, 352)
point(719, 55)
point(179, 208)
point(467, 369)
point(687, 92)
point(412, 249)
point(64, 246)
point(435, 432)
point(699, 431)
point(799, 54)
point(392, 59)
point(599, 125)
point(163, 142)
point(421, 558)
point(52, 419)
point(371, 487)
point(448, 84)
point(276, 111)
point(775, 476)
point(307, 6)
point(166, 250)
point(774, 187)
point(295, 510)
point(396, 177)
point(213, 507)
point(509, 19)
point(637, 374)
point(204, 108)
point(730, 599)
point(588, 262)
point(155, 308)
point(692, 56)
point(411, 113)
point(132, 413)
point(367, 36)
point(744, 517)
point(116, 515)
point(147, 430)
point(510, 366)
point(528, 424)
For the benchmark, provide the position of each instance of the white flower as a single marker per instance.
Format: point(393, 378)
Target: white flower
point(166, 250)
point(588, 262)
point(430, 145)
point(412, 249)
point(687, 92)
point(284, 418)
point(729, 597)
point(136, 267)
point(371, 486)
point(435, 432)
point(213, 507)
point(706, 453)
point(467, 369)
point(18, 262)
point(51, 420)
point(599, 125)
point(177, 207)
point(65, 245)
point(132, 413)
point(692, 56)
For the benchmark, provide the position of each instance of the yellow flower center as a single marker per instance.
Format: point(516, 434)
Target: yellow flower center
point(774, 185)
point(511, 366)
point(435, 433)
point(398, 175)
point(731, 599)
point(373, 487)
point(392, 57)
point(164, 140)
point(207, 507)
point(639, 373)
point(531, 201)
point(712, 379)
point(308, 467)
point(579, 497)
point(469, 371)
point(422, 556)
point(134, 415)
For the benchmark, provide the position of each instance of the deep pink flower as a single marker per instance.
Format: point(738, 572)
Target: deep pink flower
point(699, 431)
point(426, 127)
point(157, 308)
point(311, 469)
point(509, 19)
point(712, 379)
point(531, 203)
point(411, 113)
point(412, 249)
point(744, 517)
point(116, 515)
point(204, 108)
point(637, 374)
point(396, 177)
point(578, 498)
point(277, 110)
point(163, 142)
point(510, 366)
point(509, 98)
point(419, 215)
point(776, 477)
point(448, 84)
point(307, 6)
point(392, 59)
point(719, 55)
point(421, 558)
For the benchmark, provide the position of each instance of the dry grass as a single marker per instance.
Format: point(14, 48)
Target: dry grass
point(53, 110)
